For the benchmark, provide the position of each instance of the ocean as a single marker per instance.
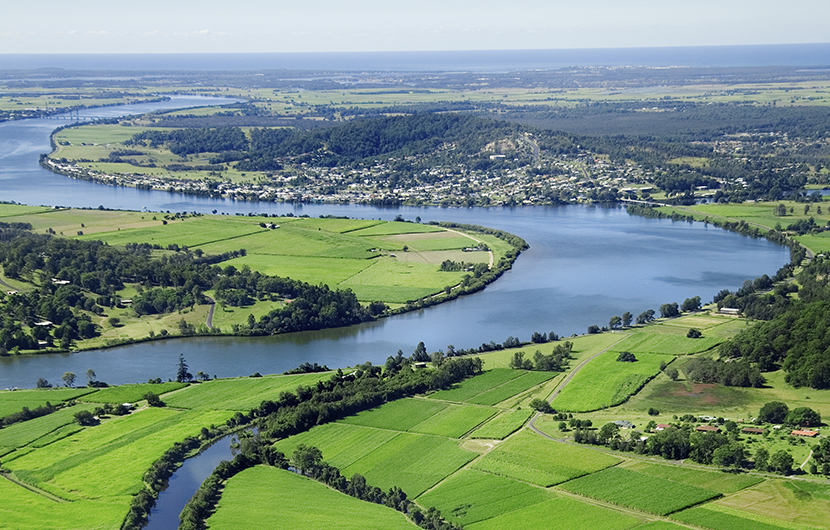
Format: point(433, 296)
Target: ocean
point(792, 55)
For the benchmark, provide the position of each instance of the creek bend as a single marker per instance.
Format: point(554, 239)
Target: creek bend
point(585, 264)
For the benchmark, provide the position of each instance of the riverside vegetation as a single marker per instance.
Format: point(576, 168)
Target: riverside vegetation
point(117, 277)
point(446, 448)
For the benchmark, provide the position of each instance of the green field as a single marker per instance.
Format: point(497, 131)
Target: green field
point(718, 520)
point(788, 503)
point(605, 382)
point(35, 430)
point(243, 394)
point(413, 462)
point(399, 415)
point(531, 458)
point(631, 489)
point(470, 388)
point(14, 401)
point(130, 393)
point(503, 425)
point(470, 496)
point(454, 421)
point(652, 342)
point(511, 388)
point(720, 481)
point(268, 498)
point(559, 513)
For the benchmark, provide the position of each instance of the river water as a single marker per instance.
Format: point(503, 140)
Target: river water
point(585, 264)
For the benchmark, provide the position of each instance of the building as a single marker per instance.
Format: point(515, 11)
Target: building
point(752, 430)
point(809, 434)
point(707, 428)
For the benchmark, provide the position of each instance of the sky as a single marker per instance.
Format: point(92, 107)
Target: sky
point(273, 26)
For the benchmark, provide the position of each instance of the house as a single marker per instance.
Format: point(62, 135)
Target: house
point(44, 324)
point(752, 430)
point(624, 424)
point(809, 434)
point(661, 427)
point(729, 311)
point(707, 428)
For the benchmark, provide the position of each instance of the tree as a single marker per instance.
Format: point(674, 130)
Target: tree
point(593, 329)
point(761, 459)
point(518, 362)
point(608, 432)
point(420, 354)
point(153, 399)
point(804, 417)
point(691, 304)
point(68, 379)
point(541, 405)
point(90, 375)
point(672, 373)
point(780, 210)
point(626, 319)
point(306, 458)
point(773, 412)
point(645, 317)
point(43, 383)
point(653, 411)
point(85, 418)
point(781, 462)
point(626, 357)
point(615, 322)
point(182, 375)
point(669, 310)
point(730, 455)
point(694, 333)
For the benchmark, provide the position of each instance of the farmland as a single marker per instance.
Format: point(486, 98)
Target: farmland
point(396, 264)
point(650, 494)
point(605, 382)
point(257, 497)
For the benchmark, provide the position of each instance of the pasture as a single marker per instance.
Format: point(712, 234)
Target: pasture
point(413, 462)
point(631, 489)
point(262, 497)
point(242, 393)
point(470, 496)
point(605, 382)
point(14, 401)
point(130, 393)
point(720, 481)
point(781, 502)
point(503, 425)
point(706, 517)
point(529, 457)
point(560, 513)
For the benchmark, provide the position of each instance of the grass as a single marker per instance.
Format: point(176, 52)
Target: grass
point(503, 425)
point(268, 498)
point(241, 394)
point(780, 502)
point(516, 386)
point(454, 421)
point(531, 458)
point(413, 462)
point(399, 415)
point(634, 490)
point(130, 393)
point(82, 466)
point(605, 382)
point(719, 481)
point(721, 520)
point(470, 496)
point(559, 513)
point(651, 342)
point(14, 401)
point(475, 386)
point(26, 432)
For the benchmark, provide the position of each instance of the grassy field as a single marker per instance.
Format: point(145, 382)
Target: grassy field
point(268, 498)
point(647, 493)
point(413, 462)
point(722, 520)
point(14, 401)
point(37, 429)
point(531, 458)
point(503, 425)
point(560, 513)
point(470, 496)
point(781, 502)
point(605, 382)
point(720, 481)
point(241, 394)
point(478, 385)
point(130, 393)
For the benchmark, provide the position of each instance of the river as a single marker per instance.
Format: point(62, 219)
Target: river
point(585, 264)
